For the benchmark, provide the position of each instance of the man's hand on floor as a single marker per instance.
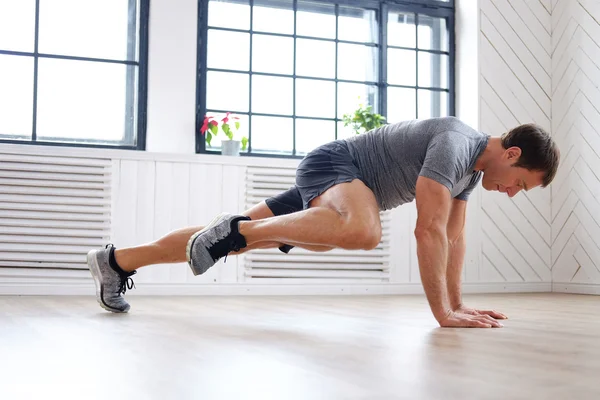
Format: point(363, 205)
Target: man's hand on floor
point(461, 320)
point(472, 311)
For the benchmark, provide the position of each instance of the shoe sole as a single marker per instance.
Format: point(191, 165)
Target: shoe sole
point(95, 272)
point(190, 243)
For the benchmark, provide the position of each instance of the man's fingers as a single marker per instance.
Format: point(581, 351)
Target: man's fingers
point(479, 324)
point(489, 320)
point(493, 313)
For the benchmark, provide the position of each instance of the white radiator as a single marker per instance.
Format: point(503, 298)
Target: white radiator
point(301, 266)
point(52, 210)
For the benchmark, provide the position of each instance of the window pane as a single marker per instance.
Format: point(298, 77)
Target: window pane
point(350, 95)
point(402, 67)
point(344, 131)
point(432, 104)
point(227, 14)
point(357, 25)
point(401, 104)
point(272, 95)
point(315, 98)
point(278, 19)
point(272, 134)
point(311, 133)
point(215, 143)
point(315, 58)
point(272, 54)
point(82, 101)
point(401, 29)
point(16, 96)
point(314, 19)
point(228, 50)
point(80, 28)
point(433, 70)
point(357, 63)
point(433, 34)
point(227, 91)
point(17, 25)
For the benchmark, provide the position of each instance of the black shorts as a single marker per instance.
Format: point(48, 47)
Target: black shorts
point(322, 168)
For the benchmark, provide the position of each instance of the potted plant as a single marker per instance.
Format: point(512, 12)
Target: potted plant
point(363, 119)
point(212, 127)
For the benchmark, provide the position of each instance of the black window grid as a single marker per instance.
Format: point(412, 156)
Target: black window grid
point(416, 7)
point(142, 90)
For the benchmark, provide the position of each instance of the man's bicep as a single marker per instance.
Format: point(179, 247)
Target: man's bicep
point(433, 203)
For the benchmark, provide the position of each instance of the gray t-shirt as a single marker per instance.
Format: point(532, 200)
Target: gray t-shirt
point(392, 157)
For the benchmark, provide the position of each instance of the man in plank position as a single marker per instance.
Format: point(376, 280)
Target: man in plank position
point(341, 188)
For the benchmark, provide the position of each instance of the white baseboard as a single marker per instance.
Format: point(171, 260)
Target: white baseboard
point(578, 288)
point(71, 288)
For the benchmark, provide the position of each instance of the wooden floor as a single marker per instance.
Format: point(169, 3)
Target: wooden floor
point(310, 348)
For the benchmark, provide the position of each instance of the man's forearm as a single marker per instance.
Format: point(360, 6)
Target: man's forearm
point(456, 258)
point(432, 251)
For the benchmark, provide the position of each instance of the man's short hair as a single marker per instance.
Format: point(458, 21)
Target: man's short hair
point(538, 151)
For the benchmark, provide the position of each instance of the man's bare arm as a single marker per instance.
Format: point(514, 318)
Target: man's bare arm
point(456, 251)
point(433, 209)
point(457, 246)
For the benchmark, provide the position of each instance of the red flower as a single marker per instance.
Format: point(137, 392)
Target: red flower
point(226, 118)
point(207, 120)
point(204, 126)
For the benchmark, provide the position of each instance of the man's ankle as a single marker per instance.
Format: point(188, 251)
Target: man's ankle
point(112, 261)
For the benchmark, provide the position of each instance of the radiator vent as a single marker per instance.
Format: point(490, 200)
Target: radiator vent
point(52, 210)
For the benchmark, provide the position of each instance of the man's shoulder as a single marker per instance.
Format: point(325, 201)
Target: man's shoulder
point(455, 131)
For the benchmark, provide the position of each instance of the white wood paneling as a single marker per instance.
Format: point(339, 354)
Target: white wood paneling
point(576, 127)
point(538, 61)
point(516, 88)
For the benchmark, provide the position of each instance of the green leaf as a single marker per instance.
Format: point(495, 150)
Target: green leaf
point(214, 129)
point(227, 131)
point(244, 143)
point(208, 137)
point(237, 125)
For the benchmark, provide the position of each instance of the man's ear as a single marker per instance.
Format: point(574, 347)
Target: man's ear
point(513, 153)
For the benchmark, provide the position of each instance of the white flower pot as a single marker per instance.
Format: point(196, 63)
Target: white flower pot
point(230, 147)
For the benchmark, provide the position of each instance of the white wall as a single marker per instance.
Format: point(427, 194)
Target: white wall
point(515, 88)
point(576, 127)
point(504, 67)
point(172, 76)
point(155, 193)
point(539, 63)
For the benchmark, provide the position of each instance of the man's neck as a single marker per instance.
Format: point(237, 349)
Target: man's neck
point(492, 150)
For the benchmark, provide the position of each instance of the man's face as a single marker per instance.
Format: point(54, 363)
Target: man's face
point(504, 178)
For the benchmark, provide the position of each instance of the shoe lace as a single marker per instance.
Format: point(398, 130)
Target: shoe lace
point(126, 282)
point(233, 247)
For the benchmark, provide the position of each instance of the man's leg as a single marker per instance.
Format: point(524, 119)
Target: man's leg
point(171, 247)
point(345, 216)
point(112, 268)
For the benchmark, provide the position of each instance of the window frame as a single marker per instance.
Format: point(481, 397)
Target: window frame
point(142, 87)
point(439, 9)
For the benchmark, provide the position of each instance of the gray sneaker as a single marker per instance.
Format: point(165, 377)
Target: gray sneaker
point(215, 241)
point(111, 283)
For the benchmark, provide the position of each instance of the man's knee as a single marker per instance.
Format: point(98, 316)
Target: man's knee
point(361, 236)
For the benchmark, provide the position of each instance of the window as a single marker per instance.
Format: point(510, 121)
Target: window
point(290, 69)
point(73, 72)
